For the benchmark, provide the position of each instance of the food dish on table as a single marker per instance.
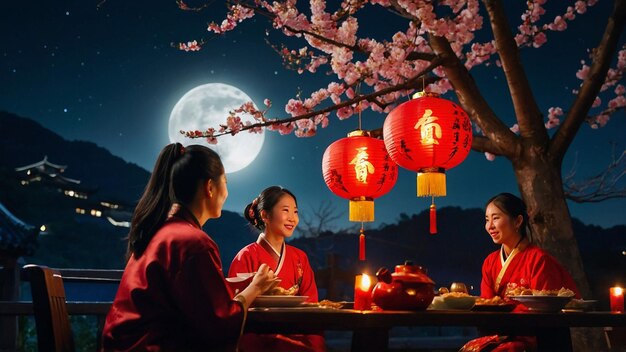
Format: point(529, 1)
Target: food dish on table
point(495, 304)
point(453, 300)
point(278, 301)
point(543, 303)
point(279, 291)
point(580, 305)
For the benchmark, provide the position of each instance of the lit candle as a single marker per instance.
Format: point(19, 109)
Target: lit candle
point(616, 294)
point(363, 292)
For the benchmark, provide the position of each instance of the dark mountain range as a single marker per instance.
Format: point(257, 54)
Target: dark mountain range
point(454, 254)
point(24, 141)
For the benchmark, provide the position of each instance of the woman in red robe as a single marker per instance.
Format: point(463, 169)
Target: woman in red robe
point(173, 295)
point(517, 264)
point(275, 213)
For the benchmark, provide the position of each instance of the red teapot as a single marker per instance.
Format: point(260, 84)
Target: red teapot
point(408, 288)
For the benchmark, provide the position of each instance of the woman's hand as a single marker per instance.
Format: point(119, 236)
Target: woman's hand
point(264, 279)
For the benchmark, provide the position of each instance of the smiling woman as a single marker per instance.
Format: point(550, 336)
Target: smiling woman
point(206, 106)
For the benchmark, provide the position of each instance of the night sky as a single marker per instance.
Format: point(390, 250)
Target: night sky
point(110, 75)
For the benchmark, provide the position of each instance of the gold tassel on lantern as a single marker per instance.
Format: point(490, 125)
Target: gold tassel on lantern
point(431, 182)
point(362, 209)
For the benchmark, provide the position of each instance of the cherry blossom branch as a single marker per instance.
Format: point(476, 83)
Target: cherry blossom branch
point(183, 6)
point(592, 84)
point(526, 110)
point(412, 83)
point(389, 64)
point(504, 142)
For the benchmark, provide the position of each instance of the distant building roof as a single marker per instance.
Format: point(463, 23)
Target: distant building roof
point(63, 180)
point(16, 237)
point(43, 165)
point(51, 174)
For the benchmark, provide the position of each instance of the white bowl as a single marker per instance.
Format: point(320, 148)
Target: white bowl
point(462, 302)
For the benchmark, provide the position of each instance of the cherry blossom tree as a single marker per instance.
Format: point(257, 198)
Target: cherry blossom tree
point(436, 52)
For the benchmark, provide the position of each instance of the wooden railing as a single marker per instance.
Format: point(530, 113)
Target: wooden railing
point(11, 310)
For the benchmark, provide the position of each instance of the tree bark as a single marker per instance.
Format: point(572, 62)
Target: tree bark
point(541, 189)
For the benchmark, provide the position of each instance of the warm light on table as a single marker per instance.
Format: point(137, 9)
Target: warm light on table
point(363, 292)
point(616, 294)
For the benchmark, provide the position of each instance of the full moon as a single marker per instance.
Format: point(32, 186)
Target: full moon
point(207, 106)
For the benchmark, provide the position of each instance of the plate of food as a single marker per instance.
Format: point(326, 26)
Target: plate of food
point(580, 305)
point(453, 301)
point(495, 304)
point(542, 303)
point(278, 301)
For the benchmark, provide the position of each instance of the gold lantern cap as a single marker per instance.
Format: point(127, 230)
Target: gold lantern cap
point(422, 94)
point(359, 133)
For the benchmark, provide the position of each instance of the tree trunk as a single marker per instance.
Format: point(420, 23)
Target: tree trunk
point(541, 189)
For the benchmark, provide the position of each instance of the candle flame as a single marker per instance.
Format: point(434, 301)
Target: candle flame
point(365, 282)
point(618, 291)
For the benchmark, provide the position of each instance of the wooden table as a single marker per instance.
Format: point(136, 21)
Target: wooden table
point(371, 329)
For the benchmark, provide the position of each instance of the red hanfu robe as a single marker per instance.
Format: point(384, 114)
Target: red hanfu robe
point(174, 296)
point(292, 267)
point(532, 268)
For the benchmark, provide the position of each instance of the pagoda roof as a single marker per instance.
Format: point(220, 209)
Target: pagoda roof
point(43, 164)
point(63, 179)
point(17, 238)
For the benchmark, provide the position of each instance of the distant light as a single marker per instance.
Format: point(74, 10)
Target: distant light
point(623, 252)
point(65, 110)
point(43, 228)
point(67, 13)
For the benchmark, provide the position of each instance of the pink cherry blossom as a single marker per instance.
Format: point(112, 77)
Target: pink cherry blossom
point(189, 46)
point(596, 102)
point(345, 112)
point(617, 102)
point(363, 65)
point(583, 72)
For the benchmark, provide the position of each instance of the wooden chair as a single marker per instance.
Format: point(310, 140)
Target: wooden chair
point(54, 332)
point(615, 338)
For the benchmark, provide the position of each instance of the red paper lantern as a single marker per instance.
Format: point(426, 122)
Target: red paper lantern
point(428, 135)
point(359, 169)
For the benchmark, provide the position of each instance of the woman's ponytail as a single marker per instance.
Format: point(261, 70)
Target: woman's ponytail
point(154, 205)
